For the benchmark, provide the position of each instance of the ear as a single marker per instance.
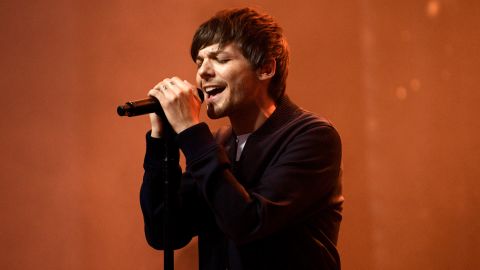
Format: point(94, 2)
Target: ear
point(267, 71)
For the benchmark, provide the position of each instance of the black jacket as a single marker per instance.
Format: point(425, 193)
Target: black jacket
point(278, 207)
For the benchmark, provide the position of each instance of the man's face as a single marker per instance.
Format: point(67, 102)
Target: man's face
point(228, 79)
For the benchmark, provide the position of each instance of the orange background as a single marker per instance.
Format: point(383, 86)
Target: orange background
point(398, 78)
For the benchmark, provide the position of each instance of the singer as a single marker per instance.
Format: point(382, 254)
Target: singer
point(262, 193)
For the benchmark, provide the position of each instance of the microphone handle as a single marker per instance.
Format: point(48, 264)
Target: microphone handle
point(145, 106)
point(139, 107)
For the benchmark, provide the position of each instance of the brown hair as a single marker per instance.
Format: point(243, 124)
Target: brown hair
point(258, 36)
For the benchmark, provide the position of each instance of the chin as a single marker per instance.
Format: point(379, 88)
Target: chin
point(212, 114)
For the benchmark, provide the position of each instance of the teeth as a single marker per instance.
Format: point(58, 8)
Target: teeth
point(211, 88)
point(208, 89)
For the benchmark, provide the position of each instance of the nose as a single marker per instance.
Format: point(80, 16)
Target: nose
point(206, 71)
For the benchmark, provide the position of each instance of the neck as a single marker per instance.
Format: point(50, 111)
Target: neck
point(250, 119)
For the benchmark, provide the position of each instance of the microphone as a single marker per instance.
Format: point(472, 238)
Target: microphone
point(145, 106)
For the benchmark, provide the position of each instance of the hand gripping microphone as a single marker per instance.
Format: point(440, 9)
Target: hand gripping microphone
point(145, 106)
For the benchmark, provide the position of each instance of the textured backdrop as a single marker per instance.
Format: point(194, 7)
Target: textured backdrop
point(398, 78)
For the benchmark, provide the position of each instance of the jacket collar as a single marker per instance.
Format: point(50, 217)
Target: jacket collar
point(283, 113)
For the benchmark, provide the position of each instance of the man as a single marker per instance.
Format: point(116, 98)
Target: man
point(264, 193)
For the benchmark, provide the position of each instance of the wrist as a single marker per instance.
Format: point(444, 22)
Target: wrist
point(184, 126)
point(156, 133)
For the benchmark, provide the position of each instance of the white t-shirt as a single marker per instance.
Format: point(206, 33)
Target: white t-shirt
point(241, 140)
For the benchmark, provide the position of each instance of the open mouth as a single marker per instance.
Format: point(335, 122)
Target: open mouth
point(212, 91)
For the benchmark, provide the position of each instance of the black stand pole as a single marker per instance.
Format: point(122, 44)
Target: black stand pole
point(168, 251)
point(168, 256)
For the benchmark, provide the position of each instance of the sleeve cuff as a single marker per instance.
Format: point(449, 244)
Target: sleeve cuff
point(195, 140)
point(156, 150)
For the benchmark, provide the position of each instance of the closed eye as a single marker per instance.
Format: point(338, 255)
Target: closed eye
point(223, 61)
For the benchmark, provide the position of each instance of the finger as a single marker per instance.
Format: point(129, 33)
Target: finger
point(158, 91)
point(160, 86)
point(184, 84)
point(169, 89)
point(155, 93)
point(176, 85)
point(195, 90)
point(189, 84)
point(180, 84)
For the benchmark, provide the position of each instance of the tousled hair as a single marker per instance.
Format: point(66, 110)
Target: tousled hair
point(258, 36)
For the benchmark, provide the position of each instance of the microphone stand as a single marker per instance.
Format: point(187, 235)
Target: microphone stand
point(144, 106)
point(168, 256)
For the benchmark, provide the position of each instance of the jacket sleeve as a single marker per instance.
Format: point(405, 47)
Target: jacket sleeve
point(302, 181)
point(182, 227)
